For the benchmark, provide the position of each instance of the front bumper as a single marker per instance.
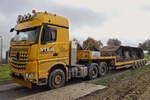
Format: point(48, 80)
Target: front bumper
point(22, 82)
point(20, 76)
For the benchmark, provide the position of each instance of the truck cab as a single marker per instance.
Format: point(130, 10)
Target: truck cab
point(41, 45)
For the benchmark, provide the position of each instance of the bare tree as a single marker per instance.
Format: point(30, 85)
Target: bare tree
point(100, 43)
point(145, 45)
point(113, 42)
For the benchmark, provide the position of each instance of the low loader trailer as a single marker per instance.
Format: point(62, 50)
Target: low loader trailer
point(42, 54)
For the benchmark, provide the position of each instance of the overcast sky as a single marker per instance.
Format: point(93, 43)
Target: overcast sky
point(127, 20)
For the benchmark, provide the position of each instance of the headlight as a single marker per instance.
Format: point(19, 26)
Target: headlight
point(29, 75)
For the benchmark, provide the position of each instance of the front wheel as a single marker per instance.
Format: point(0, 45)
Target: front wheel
point(56, 79)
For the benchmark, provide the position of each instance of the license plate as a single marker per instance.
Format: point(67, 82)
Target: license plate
point(16, 74)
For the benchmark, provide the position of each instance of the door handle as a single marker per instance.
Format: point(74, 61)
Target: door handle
point(55, 54)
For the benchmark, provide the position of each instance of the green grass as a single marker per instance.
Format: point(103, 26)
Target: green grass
point(117, 77)
point(147, 56)
point(4, 73)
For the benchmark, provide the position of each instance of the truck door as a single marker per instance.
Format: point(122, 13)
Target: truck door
point(48, 47)
point(52, 49)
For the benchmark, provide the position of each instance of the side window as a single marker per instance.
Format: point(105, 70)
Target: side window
point(48, 35)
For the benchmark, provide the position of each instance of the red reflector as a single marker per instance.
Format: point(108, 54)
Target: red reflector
point(19, 15)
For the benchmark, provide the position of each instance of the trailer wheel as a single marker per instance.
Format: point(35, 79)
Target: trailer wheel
point(142, 63)
point(134, 66)
point(145, 62)
point(137, 65)
point(102, 68)
point(92, 71)
point(56, 79)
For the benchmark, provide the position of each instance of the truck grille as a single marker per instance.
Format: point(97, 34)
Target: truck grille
point(19, 58)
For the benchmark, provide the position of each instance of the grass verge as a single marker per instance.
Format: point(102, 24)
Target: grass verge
point(4, 73)
point(147, 56)
point(117, 77)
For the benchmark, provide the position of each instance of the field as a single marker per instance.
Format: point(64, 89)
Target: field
point(147, 57)
point(117, 77)
point(4, 73)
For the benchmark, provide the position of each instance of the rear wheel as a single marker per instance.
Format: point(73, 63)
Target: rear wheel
point(103, 68)
point(56, 79)
point(92, 71)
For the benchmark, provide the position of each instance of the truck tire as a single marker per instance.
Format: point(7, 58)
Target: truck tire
point(56, 79)
point(92, 71)
point(103, 68)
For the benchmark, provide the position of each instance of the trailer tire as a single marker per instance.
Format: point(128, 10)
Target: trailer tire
point(137, 65)
point(145, 62)
point(103, 68)
point(134, 66)
point(142, 62)
point(92, 71)
point(56, 79)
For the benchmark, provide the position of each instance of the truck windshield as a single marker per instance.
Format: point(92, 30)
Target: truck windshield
point(27, 35)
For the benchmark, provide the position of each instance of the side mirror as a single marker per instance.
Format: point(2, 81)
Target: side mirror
point(12, 29)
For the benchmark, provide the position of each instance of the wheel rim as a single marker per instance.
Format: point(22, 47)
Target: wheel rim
point(103, 70)
point(94, 72)
point(134, 66)
point(137, 65)
point(58, 79)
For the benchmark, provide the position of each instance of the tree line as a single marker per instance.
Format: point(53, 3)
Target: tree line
point(145, 45)
point(92, 43)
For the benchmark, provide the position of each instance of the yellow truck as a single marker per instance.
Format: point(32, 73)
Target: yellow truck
point(42, 54)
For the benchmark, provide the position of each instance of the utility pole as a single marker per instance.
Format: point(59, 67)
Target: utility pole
point(1, 49)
